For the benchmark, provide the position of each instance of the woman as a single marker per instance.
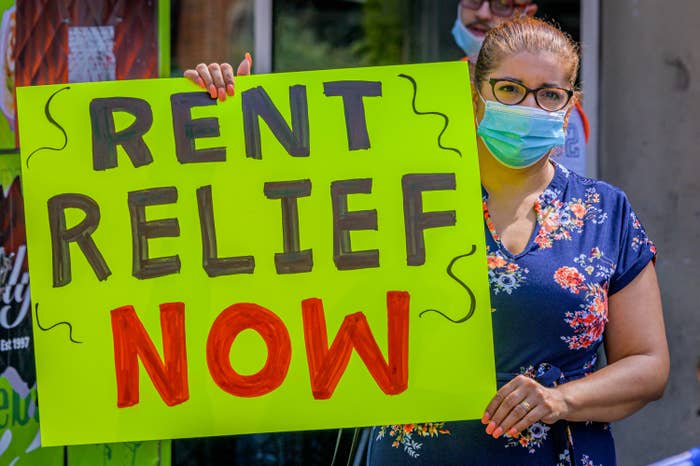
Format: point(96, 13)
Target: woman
point(569, 266)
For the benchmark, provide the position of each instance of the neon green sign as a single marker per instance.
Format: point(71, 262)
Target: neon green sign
point(308, 254)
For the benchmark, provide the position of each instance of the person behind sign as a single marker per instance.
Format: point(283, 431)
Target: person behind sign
point(570, 266)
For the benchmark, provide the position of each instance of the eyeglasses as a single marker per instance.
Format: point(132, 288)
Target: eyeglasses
point(498, 7)
point(510, 92)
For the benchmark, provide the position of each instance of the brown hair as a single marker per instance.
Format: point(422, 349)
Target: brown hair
point(526, 35)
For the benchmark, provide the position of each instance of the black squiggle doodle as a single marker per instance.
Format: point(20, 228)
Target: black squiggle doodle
point(472, 298)
point(70, 327)
point(417, 112)
point(53, 122)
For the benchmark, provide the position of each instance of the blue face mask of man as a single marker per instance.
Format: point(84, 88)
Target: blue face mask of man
point(519, 136)
point(467, 41)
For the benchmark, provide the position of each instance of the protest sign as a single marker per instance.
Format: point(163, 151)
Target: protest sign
point(307, 254)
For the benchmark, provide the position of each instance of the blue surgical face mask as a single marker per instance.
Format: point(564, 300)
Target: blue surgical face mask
point(519, 136)
point(466, 40)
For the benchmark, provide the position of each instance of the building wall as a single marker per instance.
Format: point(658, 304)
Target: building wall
point(649, 137)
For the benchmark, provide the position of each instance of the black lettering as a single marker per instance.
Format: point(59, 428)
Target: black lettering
point(61, 236)
point(343, 221)
point(186, 129)
point(257, 103)
point(105, 138)
point(141, 230)
point(292, 260)
point(415, 219)
point(352, 93)
point(216, 266)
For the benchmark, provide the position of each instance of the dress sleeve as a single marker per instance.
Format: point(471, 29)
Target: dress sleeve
point(635, 248)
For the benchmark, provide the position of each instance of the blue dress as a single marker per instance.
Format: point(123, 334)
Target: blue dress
point(549, 310)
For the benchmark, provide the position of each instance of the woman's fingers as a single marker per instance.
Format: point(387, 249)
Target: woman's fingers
point(520, 403)
point(200, 76)
point(530, 418)
point(521, 417)
point(517, 405)
point(227, 72)
point(193, 76)
point(218, 81)
point(499, 397)
point(207, 81)
point(246, 65)
point(511, 408)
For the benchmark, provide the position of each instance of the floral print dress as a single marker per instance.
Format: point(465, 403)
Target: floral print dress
point(549, 311)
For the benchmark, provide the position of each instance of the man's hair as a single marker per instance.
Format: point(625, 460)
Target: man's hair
point(526, 35)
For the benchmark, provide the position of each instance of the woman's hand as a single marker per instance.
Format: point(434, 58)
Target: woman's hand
point(217, 79)
point(636, 373)
point(520, 403)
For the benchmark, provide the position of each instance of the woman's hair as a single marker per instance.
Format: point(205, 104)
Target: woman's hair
point(526, 35)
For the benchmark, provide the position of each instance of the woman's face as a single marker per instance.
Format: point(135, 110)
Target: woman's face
point(533, 70)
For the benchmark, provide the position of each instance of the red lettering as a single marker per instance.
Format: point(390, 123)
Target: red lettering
point(327, 365)
point(232, 321)
point(131, 341)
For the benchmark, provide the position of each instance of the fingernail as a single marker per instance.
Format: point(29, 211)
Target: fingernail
point(498, 432)
point(221, 93)
point(512, 433)
point(200, 82)
point(212, 91)
point(490, 427)
point(230, 89)
point(248, 57)
point(485, 419)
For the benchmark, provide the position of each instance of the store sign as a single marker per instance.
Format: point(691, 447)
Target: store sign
point(305, 255)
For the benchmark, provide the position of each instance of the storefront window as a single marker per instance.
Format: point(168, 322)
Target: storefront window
point(313, 34)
